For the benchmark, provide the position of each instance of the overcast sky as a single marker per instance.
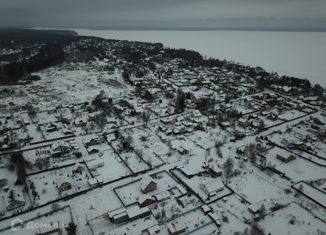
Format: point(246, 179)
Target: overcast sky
point(164, 13)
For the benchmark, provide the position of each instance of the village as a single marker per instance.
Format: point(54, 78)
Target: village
point(159, 148)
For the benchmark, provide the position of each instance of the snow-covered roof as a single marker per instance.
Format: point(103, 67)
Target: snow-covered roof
point(213, 186)
point(145, 181)
point(143, 198)
point(135, 211)
point(15, 195)
point(162, 196)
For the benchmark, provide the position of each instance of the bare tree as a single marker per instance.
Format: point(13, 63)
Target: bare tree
point(146, 117)
point(252, 151)
point(228, 168)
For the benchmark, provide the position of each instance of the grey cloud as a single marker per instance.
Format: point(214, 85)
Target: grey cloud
point(165, 13)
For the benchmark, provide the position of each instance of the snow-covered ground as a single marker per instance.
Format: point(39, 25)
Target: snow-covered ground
point(300, 54)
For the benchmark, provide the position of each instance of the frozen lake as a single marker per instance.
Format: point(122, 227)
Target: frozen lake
point(300, 54)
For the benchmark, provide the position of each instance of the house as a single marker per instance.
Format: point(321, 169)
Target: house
point(160, 197)
point(264, 113)
point(51, 110)
point(79, 122)
point(176, 131)
point(213, 170)
point(64, 186)
point(261, 147)
point(304, 147)
point(154, 230)
point(215, 219)
point(254, 209)
point(147, 184)
point(176, 228)
point(118, 216)
point(243, 122)
point(110, 137)
point(92, 182)
point(93, 149)
point(196, 114)
point(182, 190)
point(183, 151)
point(213, 186)
point(78, 168)
point(135, 212)
point(95, 164)
point(166, 120)
point(225, 124)
point(60, 148)
point(74, 145)
point(162, 128)
point(51, 127)
point(66, 130)
point(206, 209)
point(272, 116)
point(145, 200)
point(285, 157)
point(15, 199)
point(241, 150)
point(258, 123)
point(92, 142)
point(199, 80)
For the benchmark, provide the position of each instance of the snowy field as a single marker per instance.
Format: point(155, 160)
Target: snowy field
point(300, 54)
point(293, 220)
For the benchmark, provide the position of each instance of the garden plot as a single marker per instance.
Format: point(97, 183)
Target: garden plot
point(320, 184)
point(231, 224)
point(205, 229)
point(312, 193)
point(131, 192)
point(182, 142)
point(291, 114)
point(269, 123)
point(313, 158)
point(8, 180)
point(52, 222)
point(235, 206)
point(128, 120)
point(257, 189)
point(41, 154)
point(7, 171)
point(96, 203)
point(152, 158)
point(293, 220)
point(137, 227)
point(297, 170)
point(173, 207)
point(51, 185)
point(108, 166)
point(83, 84)
point(319, 148)
point(135, 163)
point(208, 189)
point(153, 154)
point(35, 133)
point(41, 159)
point(53, 134)
point(202, 139)
point(93, 149)
point(44, 117)
point(4, 205)
point(150, 146)
point(163, 109)
point(190, 221)
point(243, 107)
